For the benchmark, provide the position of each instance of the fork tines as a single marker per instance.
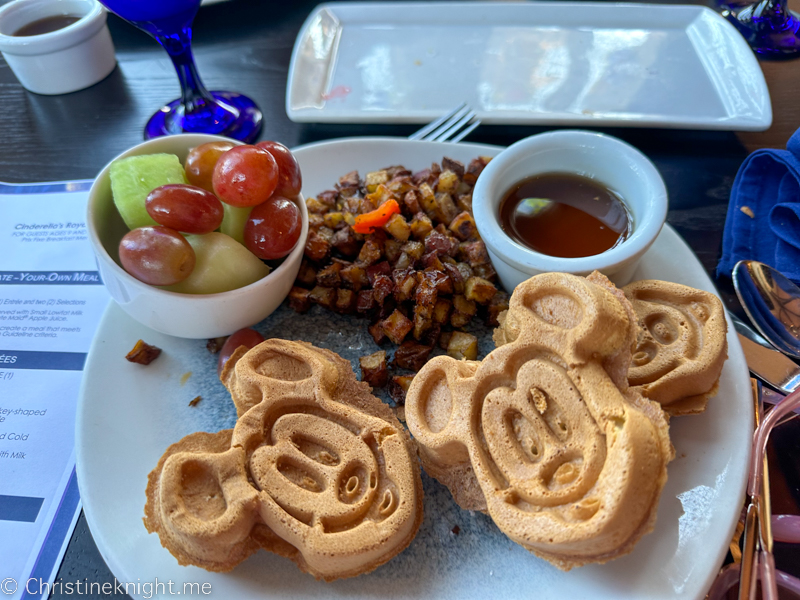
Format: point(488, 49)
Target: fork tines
point(454, 126)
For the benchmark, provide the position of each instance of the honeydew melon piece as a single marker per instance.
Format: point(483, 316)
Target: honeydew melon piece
point(234, 219)
point(134, 177)
point(222, 264)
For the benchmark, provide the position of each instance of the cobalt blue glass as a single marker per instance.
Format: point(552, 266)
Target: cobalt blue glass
point(197, 110)
point(771, 29)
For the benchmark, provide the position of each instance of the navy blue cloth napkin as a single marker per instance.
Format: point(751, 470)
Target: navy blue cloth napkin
point(763, 220)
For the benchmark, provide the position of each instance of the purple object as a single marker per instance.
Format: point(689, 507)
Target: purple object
point(786, 528)
point(771, 29)
point(198, 110)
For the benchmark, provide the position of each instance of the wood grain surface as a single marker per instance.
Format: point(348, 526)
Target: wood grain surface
point(245, 45)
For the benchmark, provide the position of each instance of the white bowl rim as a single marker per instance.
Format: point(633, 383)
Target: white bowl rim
point(527, 260)
point(129, 279)
point(52, 41)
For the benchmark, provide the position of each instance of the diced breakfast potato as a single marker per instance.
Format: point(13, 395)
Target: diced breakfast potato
point(479, 290)
point(396, 326)
point(411, 200)
point(446, 209)
point(374, 179)
point(330, 276)
point(372, 250)
point(354, 277)
point(497, 305)
point(398, 387)
point(427, 199)
point(392, 249)
point(448, 182)
point(463, 305)
point(306, 275)
point(374, 370)
point(299, 299)
point(456, 166)
point(463, 226)
point(485, 271)
point(317, 248)
point(441, 310)
point(377, 332)
point(421, 226)
point(365, 301)
point(398, 227)
point(325, 297)
point(411, 355)
point(315, 206)
point(334, 220)
point(345, 300)
point(474, 253)
point(380, 195)
point(462, 346)
point(423, 321)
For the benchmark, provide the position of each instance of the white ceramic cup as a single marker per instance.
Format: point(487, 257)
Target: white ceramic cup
point(603, 158)
point(62, 61)
point(195, 316)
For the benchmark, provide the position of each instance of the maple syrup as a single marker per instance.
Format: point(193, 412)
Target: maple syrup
point(46, 25)
point(564, 215)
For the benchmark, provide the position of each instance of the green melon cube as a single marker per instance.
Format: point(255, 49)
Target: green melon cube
point(234, 219)
point(133, 178)
point(222, 264)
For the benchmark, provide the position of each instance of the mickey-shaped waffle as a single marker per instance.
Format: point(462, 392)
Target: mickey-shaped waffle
point(681, 344)
point(543, 434)
point(316, 469)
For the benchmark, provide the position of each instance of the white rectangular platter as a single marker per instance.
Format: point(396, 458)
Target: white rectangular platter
point(546, 63)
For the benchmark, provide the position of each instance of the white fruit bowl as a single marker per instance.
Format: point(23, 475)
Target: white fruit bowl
point(193, 316)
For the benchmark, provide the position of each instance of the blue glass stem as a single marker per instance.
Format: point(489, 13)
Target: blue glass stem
point(200, 111)
point(771, 29)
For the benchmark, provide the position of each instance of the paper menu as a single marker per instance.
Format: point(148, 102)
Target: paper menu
point(51, 300)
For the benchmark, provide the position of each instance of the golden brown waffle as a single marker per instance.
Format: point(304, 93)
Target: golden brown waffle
point(681, 344)
point(316, 469)
point(543, 434)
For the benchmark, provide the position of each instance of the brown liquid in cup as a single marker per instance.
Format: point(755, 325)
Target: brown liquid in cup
point(46, 25)
point(564, 215)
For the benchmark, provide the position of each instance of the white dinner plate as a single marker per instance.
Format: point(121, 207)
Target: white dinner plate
point(554, 63)
point(128, 415)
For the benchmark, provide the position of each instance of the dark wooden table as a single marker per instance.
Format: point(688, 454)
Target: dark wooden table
point(246, 45)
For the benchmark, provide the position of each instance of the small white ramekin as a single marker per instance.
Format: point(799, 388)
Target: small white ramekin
point(603, 158)
point(195, 316)
point(61, 61)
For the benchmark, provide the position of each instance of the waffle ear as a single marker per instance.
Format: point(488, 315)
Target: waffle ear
point(441, 393)
point(272, 369)
point(681, 344)
point(200, 503)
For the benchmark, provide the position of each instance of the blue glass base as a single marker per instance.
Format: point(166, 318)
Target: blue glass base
point(236, 116)
point(770, 35)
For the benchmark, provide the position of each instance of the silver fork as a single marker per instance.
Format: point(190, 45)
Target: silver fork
point(452, 127)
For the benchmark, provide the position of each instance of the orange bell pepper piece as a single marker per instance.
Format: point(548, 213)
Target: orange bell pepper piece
point(368, 222)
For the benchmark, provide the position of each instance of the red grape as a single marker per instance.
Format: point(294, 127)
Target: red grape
point(290, 181)
point(185, 208)
point(245, 176)
point(156, 255)
point(249, 338)
point(273, 228)
point(200, 163)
